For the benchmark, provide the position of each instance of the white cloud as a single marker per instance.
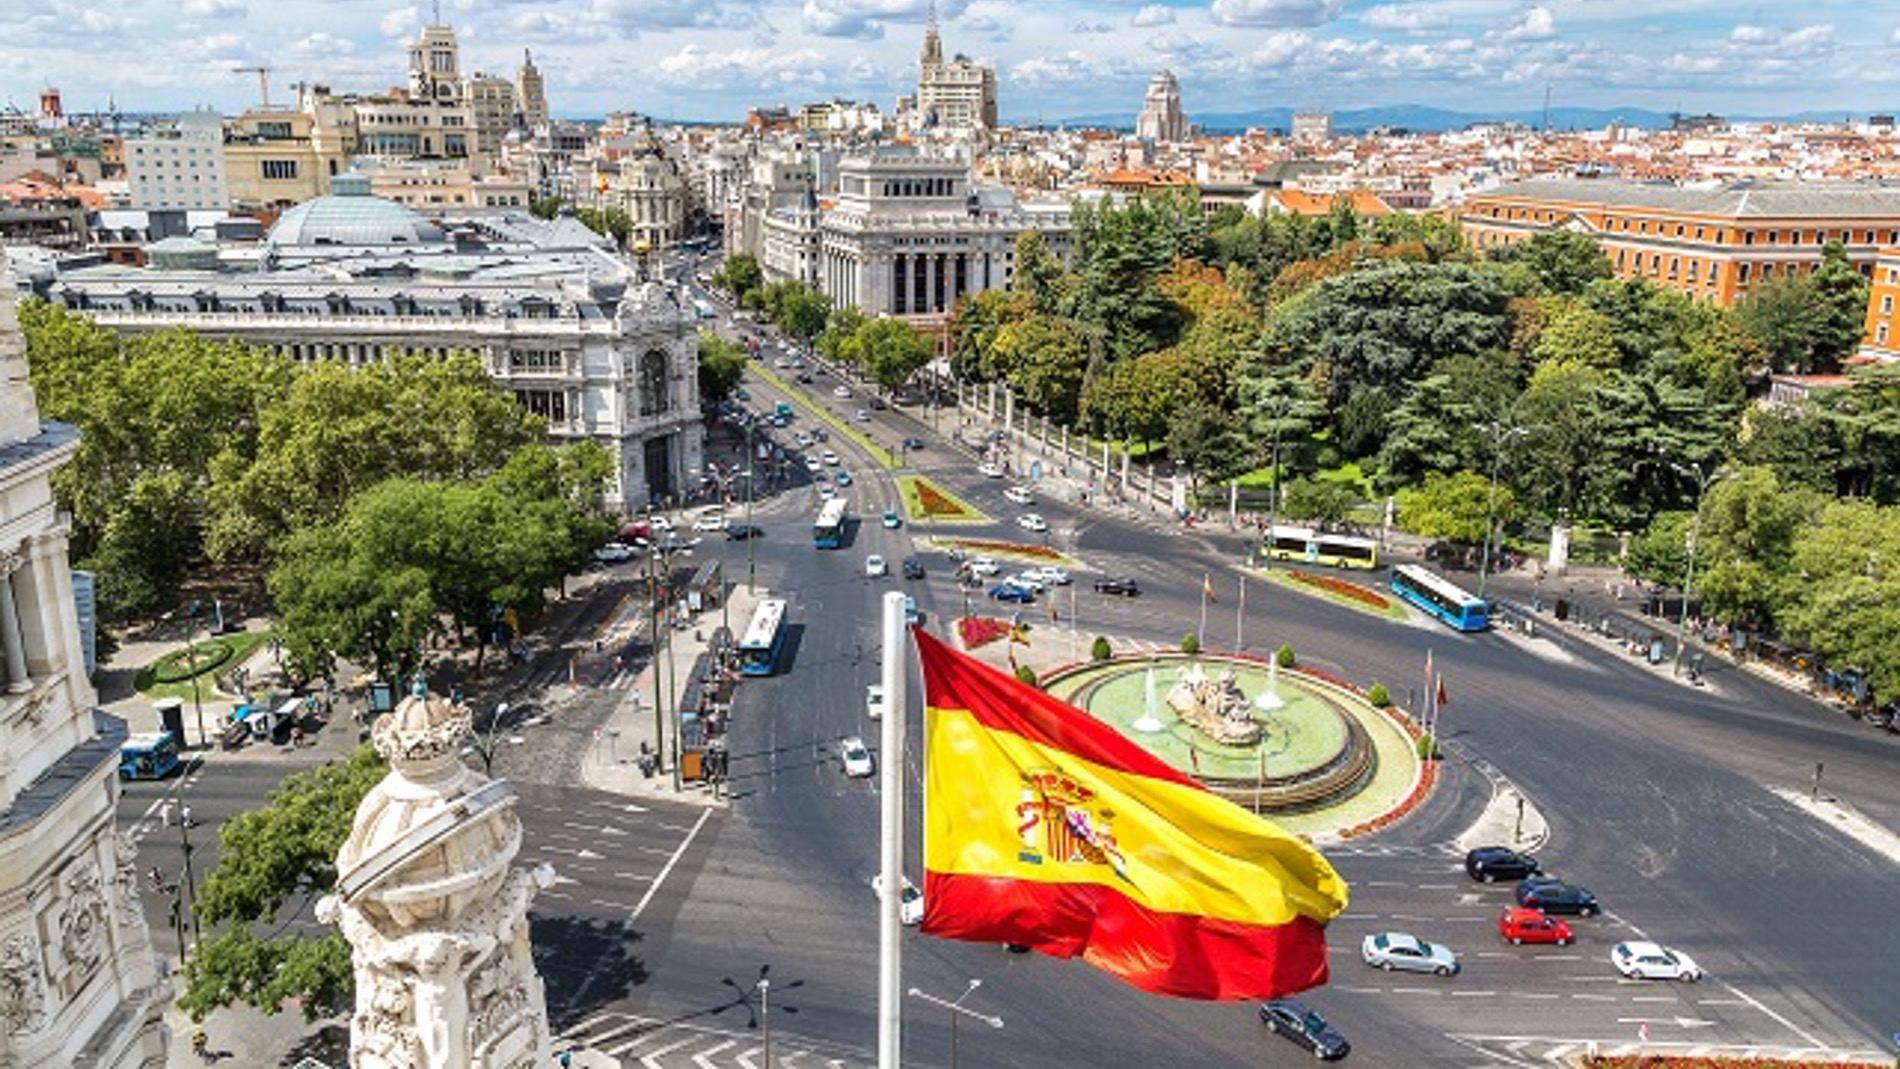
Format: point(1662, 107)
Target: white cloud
point(1415, 18)
point(1751, 35)
point(321, 46)
point(216, 9)
point(1275, 14)
point(401, 22)
point(1069, 68)
point(1534, 24)
point(1090, 28)
point(865, 20)
point(1153, 15)
point(698, 67)
point(1279, 49)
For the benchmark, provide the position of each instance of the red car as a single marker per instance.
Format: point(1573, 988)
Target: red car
point(1520, 926)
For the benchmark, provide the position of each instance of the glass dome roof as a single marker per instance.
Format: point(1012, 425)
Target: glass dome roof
point(350, 215)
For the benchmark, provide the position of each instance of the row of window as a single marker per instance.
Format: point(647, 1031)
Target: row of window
point(1619, 224)
point(278, 170)
point(920, 187)
point(139, 150)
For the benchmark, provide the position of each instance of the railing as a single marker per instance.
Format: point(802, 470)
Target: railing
point(352, 323)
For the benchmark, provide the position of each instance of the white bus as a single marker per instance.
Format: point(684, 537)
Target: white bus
point(764, 639)
point(828, 531)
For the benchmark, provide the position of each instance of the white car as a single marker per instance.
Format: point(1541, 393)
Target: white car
point(874, 701)
point(911, 911)
point(984, 567)
point(855, 758)
point(1397, 950)
point(1027, 580)
point(1653, 961)
point(989, 471)
point(1030, 521)
point(875, 567)
point(1051, 574)
point(711, 521)
point(842, 393)
point(812, 465)
point(1020, 495)
point(805, 438)
point(826, 491)
point(782, 362)
point(613, 553)
point(660, 523)
point(830, 457)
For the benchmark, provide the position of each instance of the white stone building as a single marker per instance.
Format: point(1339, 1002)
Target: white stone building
point(180, 166)
point(958, 94)
point(556, 316)
point(78, 982)
point(1161, 118)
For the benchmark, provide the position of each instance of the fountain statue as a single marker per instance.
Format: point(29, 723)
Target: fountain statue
point(1214, 707)
point(1148, 722)
point(1269, 699)
point(435, 910)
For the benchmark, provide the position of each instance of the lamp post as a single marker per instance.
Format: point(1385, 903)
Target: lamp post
point(762, 987)
point(1500, 433)
point(751, 477)
point(1703, 480)
point(957, 1009)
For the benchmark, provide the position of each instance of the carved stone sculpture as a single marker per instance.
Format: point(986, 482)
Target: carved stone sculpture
point(434, 909)
point(1216, 708)
point(22, 991)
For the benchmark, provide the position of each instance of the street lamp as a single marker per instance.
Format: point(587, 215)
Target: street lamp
point(1500, 433)
point(957, 1009)
point(762, 987)
point(1703, 480)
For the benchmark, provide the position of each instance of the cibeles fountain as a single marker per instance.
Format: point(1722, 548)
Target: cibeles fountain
point(435, 908)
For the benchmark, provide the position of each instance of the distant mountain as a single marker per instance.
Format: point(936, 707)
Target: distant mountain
point(1424, 119)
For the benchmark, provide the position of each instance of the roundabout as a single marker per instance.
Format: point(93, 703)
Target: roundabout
point(1312, 755)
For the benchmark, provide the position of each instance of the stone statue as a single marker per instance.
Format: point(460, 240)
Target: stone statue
point(435, 910)
point(1216, 708)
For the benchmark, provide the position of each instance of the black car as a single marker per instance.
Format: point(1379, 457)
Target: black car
point(1489, 864)
point(913, 443)
point(1555, 896)
point(1122, 585)
point(1291, 1018)
point(913, 568)
point(738, 532)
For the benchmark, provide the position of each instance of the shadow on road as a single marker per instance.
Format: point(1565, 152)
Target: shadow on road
point(593, 961)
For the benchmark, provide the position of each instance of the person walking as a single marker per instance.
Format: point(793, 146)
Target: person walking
point(184, 816)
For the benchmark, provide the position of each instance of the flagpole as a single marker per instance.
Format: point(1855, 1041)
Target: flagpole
point(1207, 585)
point(890, 985)
point(1240, 617)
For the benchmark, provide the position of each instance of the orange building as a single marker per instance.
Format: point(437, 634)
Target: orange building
point(1882, 340)
point(1712, 244)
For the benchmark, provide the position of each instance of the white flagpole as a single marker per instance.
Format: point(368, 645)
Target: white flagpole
point(1200, 635)
point(1240, 617)
point(890, 985)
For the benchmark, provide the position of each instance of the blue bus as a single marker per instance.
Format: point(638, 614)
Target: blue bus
point(828, 531)
point(1439, 597)
point(764, 639)
point(148, 756)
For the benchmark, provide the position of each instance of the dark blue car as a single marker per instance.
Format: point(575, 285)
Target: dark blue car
point(1555, 896)
point(1012, 592)
point(1292, 1018)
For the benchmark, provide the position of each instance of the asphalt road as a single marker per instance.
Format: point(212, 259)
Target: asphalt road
point(1658, 798)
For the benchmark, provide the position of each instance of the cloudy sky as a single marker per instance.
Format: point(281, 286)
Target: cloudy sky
point(710, 59)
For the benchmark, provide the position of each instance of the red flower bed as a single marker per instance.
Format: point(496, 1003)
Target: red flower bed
point(936, 503)
point(1427, 776)
point(977, 630)
point(1699, 1061)
point(1352, 591)
point(1017, 549)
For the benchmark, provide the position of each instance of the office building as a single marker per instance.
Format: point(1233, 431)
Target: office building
point(1161, 118)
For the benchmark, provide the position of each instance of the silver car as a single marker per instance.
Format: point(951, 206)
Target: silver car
point(1397, 950)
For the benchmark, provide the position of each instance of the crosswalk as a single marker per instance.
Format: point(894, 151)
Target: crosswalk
point(650, 1043)
point(1540, 1051)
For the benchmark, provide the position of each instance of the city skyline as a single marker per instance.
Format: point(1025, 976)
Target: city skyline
point(709, 60)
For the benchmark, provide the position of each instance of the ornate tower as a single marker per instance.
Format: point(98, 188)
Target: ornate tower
point(78, 983)
point(435, 910)
point(531, 94)
point(435, 64)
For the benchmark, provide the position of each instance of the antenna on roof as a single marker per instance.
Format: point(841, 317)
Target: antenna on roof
point(436, 18)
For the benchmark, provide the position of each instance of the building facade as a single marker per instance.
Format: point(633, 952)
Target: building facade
point(531, 94)
point(1713, 244)
point(580, 336)
point(1161, 118)
point(1882, 340)
point(181, 166)
point(1313, 126)
point(959, 94)
point(79, 985)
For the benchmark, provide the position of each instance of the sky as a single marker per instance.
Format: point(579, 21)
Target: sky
point(710, 60)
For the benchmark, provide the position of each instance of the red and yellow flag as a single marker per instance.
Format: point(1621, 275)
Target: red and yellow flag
point(1045, 827)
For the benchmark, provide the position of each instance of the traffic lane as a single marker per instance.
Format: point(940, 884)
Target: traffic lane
point(1570, 991)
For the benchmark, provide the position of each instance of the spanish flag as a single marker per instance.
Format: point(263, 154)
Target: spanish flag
point(1045, 827)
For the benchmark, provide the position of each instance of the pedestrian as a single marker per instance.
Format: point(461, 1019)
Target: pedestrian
point(157, 878)
point(165, 813)
point(184, 816)
point(201, 1045)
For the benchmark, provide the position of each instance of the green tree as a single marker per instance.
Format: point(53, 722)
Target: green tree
point(1324, 502)
point(1435, 427)
point(1039, 274)
point(740, 275)
point(1043, 361)
point(1456, 508)
point(1809, 323)
point(796, 309)
point(721, 366)
point(611, 220)
point(268, 858)
point(1847, 603)
point(1841, 293)
point(146, 549)
point(1208, 441)
point(1559, 456)
point(891, 351)
point(1744, 542)
point(1577, 334)
point(838, 340)
point(973, 327)
point(342, 429)
point(545, 207)
point(1556, 262)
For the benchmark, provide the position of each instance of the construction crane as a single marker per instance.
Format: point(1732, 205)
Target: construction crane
point(263, 81)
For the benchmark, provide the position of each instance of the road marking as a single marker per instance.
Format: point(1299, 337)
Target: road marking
point(1472, 994)
point(647, 1059)
point(1778, 1018)
point(1594, 998)
point(1533, 995)
point(668, 869)
point(1416, 991)
point(1720, 1002)
point(1653, 998)
point(704, 1059)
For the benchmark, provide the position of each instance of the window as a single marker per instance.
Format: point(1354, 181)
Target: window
point(279, 169)
point(1886, 305)
point(652, 383)
point(1880, 334)
point(1741, 273)
point(550, 405)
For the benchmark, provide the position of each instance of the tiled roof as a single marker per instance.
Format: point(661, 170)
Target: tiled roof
point(1759, 199)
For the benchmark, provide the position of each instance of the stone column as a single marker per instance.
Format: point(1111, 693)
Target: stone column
point(930, 283)
point(11, 640)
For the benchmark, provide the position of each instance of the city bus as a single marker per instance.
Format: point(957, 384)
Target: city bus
point(828, 532)
point(701, 309)
point(1318, 547)
point(764, 639)
point(149, 756)
point(1440, 597)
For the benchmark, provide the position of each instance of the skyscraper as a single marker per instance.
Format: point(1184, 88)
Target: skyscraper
point(957, 95)
point(1161, 118)
point(531, 93)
